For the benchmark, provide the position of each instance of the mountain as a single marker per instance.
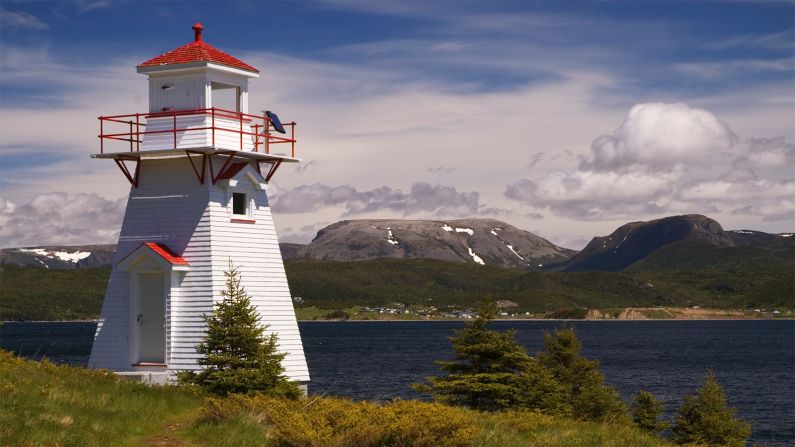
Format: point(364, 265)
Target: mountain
point(671, 243)
point(742, 238)
point(290, 249)
point(59, 257)
point(476, 241)
point(694, 235)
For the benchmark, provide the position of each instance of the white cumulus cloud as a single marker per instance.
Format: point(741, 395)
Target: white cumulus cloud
point(670, 158)
point(422, 197)
point(658, 136)
point(60, 219)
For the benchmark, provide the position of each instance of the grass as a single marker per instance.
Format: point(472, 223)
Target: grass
point(46, 404)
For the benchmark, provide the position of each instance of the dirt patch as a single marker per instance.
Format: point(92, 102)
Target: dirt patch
point(166, 439)
point(670, 313)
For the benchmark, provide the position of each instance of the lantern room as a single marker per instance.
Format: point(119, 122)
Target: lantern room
point(198, 104)
point(197, 76)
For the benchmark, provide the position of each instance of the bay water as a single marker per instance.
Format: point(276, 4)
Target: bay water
point(753, 360)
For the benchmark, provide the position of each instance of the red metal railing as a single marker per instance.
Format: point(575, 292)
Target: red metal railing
point(257, 128)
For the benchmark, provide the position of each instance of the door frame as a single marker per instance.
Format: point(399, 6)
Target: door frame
point(135, 310)
point(145, 260)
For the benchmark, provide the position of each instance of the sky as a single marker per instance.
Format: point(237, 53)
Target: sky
point(566, 119)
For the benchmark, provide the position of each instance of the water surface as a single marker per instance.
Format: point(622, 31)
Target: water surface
point(753, 360)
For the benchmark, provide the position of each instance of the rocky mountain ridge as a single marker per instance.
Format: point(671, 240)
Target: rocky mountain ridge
point(632, 242)
point(477, 241)
point(60, 256)
point(474, 241)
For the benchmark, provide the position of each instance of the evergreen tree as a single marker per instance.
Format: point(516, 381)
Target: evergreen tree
point(491, 371)
point(586, 393)
point(704, 418)
point(646, 412)
point(236, 356)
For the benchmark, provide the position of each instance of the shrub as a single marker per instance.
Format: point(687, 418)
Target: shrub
point(646, 411)
point(332, 422)
point(586, 393)
point(491, 371)
point(704, 418)
point(237, 357)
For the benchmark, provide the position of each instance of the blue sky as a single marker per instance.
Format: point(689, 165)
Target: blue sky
point(562, 118)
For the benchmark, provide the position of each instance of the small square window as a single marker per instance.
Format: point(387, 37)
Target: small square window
point(239, 204)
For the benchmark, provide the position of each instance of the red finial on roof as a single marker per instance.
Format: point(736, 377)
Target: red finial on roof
point(197, 32)
point(196, 51)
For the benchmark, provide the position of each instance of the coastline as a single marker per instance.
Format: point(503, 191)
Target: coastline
point(603, 315)
point(550, 319)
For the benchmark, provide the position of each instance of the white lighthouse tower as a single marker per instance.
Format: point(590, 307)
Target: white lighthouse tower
point(198, 163)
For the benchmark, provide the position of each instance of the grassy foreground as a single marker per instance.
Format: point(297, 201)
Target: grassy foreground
point(46, 404)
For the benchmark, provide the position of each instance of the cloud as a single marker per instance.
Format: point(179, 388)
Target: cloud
point(762, 153)
point(658, 136)
point(771, 210)
point(20, 20)
point(669, 158)
point(781, 40)
point(726, 191)
point(301, 235)
point(60, 219)
point(730, 68)
point(422, 197)
point(597, 195)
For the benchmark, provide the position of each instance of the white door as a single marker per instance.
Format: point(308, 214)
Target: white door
point(151, 318)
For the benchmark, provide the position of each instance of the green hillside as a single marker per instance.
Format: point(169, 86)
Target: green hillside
point(681, 274)
point(334, 285)
point(32, 293)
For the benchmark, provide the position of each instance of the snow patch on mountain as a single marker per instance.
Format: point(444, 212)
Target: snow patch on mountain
point(510, 247)
point(72, 257)
point(475, 257)
point(389, 237)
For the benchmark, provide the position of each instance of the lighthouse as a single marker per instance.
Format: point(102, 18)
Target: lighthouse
point(198, 163)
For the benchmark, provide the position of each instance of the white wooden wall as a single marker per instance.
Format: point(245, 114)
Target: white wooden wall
point(189, 91)
point(193, 220)
point(224, 139)
point(254, 248)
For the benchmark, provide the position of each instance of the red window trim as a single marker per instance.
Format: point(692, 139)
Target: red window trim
point(246, 221)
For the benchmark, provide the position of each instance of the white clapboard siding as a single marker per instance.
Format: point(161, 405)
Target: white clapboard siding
point(171, 207)
point(253, 248)
point(160, 133)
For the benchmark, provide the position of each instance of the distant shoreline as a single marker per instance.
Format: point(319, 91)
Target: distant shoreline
point(551, 319)
point(627, 314)
point(462, 320)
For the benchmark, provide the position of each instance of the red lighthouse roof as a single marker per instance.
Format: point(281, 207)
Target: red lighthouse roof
point(197, 51)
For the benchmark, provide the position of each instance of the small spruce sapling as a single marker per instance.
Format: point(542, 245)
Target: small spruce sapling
point(705, 418)
point(491, 371)
point(587, 395)
point(646, 412)
point(236, 355)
